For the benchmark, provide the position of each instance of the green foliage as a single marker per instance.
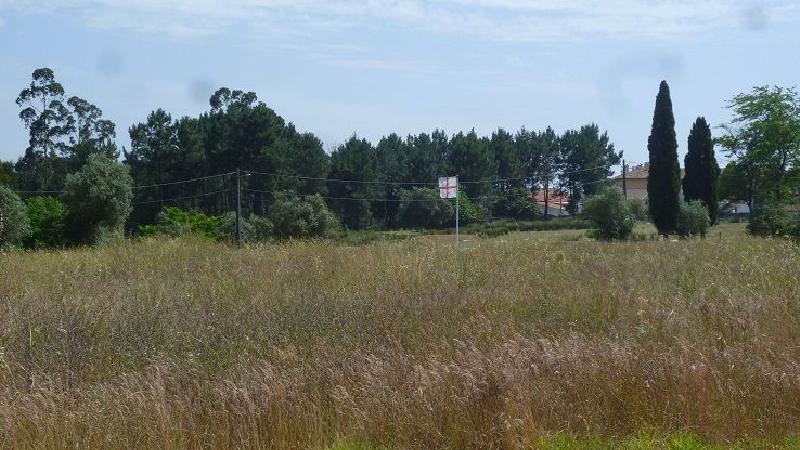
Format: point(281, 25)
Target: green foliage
point(294, 217)
point(468, 211)
point(7, 175)
point(693, 219)
point(62, 133)
point(356, 162)
point(14, 223)
point(472, 160)
point(516, 203)
point(702, 171)
point(46, 216)
point(773, 220)
point(98, 200)
point(764, 138)
point(423, 208)
point(664, 178)
point(586, 157)
point(639, 209)
point(610, 214)
point(175, 222)
point(733, 182)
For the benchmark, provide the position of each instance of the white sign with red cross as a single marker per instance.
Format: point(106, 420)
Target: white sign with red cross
point(448, 187)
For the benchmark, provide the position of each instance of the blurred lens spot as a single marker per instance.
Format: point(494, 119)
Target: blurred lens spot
point(200, 90)
point(110, 64)
point(755, 17)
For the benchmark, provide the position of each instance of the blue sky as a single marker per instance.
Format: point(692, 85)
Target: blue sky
point(373, 67)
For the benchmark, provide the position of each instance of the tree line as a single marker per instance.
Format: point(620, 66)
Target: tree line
point(241, 132)
point(191, 162)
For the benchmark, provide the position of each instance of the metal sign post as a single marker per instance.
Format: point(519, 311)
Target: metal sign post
point(448, 188)
point(456, 212)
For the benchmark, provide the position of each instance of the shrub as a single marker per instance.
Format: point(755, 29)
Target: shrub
point(423, 208)
point(610, 214)
point(639, 209)
point(14, 223)
point(295, 217)
point(46, 215)
point(175, 222)
point(772, 220)
point(468, 210)
point(693, 219)
point(254, 228)
point(98, 200)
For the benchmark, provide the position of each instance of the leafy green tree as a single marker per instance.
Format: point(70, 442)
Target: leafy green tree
point(98, 200)
point(91, 133)
point(426, 157)
point(664, 178)
point(14, 223)
point(733, 182)
point(586, 158)
point(46, 117)
point(423, 208)
point(510, 169)
point(517, 204)
point(702, 171)
point(610, 214)
point(294, 217)
point(46, 216)
point(392, 169)
point(764, 138)
point(62, 133)
point(472, 160)
point(355, 163)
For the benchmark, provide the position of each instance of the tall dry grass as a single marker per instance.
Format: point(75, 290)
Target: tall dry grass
point(187, 344)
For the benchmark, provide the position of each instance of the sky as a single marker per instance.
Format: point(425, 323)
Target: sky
point(373, 67)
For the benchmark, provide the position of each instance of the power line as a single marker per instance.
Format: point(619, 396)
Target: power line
point(193, 180)
point(390, 200)
point(182, 198)
point(335, 180)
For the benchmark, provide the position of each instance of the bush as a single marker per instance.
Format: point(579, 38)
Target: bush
point(254, 228)
point(14, 223)
point(295, 217)
point(639, 209)
point(423, 208)
point(46, 215)
point(175, 222)
point(772, 220)
point(98, 200)
point(693, 219)
point(610, 214)
point(517, 204)
point(468, 210)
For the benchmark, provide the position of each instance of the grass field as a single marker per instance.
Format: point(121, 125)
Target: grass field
point(532, 340)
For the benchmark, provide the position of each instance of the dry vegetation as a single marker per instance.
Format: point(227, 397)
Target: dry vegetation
point(513, 343)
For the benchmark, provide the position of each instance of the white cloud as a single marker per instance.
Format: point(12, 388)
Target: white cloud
point(510, 20)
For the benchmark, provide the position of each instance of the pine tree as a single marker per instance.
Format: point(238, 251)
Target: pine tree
point(702, 170)
point(664, 178)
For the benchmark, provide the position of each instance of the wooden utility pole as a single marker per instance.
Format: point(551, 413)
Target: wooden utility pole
point(624, 181)
point(546, 198)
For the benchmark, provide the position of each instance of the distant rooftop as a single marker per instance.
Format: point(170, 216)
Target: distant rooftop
point(639, 171)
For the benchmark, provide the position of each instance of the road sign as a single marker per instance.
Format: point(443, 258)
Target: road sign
point(448, 187)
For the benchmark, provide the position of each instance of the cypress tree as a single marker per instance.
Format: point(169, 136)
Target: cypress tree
point(702, 170)
point(664, 177)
